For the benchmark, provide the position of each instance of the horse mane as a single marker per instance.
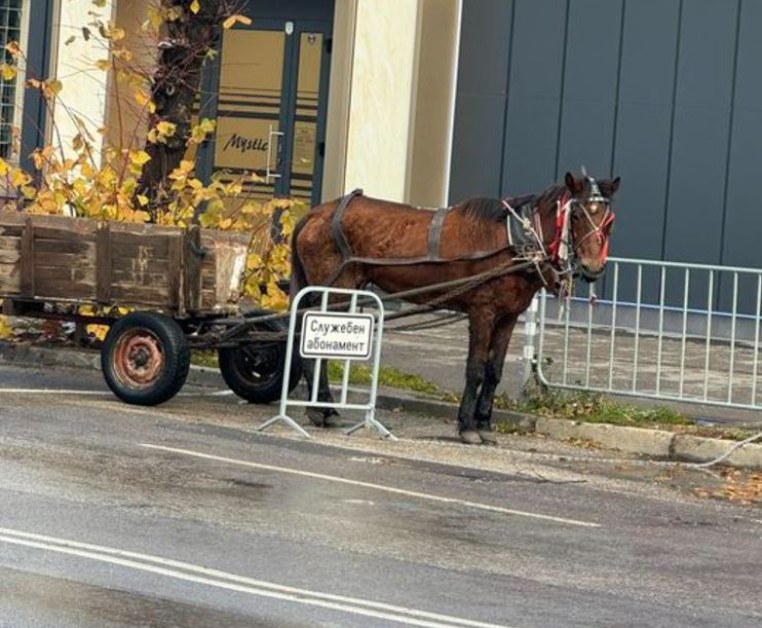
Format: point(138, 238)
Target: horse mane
point(493, 209)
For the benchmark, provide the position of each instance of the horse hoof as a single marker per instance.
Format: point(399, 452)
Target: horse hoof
point(333, 420)
point(324, 417)
point(488, 436)
point(316, 416)
point(471, 437)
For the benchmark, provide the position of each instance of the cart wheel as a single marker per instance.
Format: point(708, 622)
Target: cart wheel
point(145, 358)
point(254, 371)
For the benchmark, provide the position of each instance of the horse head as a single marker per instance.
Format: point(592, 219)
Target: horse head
point(591, 219)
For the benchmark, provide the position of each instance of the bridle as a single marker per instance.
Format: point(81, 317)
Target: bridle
point(564, 247)
point(596, 230)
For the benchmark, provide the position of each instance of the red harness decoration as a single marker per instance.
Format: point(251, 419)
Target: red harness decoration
point(605, 241)
point(561, 209)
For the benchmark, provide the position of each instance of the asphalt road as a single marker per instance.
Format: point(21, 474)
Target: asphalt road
point(181, 515)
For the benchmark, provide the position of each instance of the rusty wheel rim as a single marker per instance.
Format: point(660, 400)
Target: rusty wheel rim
point(138, 358)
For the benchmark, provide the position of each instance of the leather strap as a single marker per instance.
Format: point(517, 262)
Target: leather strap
point(435, 231)
point(336, 231)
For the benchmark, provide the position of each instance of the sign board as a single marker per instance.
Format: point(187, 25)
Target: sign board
point(336, 335)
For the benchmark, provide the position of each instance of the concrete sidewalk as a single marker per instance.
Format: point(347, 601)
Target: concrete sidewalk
point(439, 356)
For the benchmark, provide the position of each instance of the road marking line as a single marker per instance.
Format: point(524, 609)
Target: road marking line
point(379, 487)
point(234, 582)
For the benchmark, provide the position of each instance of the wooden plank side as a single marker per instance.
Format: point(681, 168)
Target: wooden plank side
point(177, 247)
point(138, 265)
point(68, 243)
point(9, 256)
point(64, 282)
point(194, 258)
point(145, 278)
point(129, 294)
point(26, 261)
point(229, 263)
point(10, 279)
point(103, 264)
point(148, 245)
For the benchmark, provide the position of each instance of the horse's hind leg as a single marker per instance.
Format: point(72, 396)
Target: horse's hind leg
point(479, 335)
point(323, 416)
point(493, 372)
point(320, 416)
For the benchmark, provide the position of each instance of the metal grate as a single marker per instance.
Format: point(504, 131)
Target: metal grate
point(10, 30)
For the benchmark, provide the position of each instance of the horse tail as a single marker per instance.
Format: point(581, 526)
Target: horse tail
point(298, 276)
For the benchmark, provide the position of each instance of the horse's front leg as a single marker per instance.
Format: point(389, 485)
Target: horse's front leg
point(479, 334)
point(493, 372)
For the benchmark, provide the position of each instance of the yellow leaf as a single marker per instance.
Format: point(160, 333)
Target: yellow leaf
point(139, 157)
point(8, 72)
point(195, 7)
point(166, 129)
point(3, 167)
point(19, 177)
point(143, 200)
point(116, 33)
point(99, 3)
point(231, 21)
point(6, 331)
point(103, 64)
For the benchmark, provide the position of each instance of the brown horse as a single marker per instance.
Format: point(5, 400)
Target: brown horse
point(550, 237)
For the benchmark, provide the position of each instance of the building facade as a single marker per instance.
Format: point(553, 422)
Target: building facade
point(434, 101)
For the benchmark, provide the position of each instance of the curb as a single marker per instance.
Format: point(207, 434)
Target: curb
point(650, 443)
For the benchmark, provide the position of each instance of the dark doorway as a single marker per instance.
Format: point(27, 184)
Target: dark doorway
point(269, 90)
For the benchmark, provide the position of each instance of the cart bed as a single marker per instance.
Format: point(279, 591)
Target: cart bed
point(183, 272)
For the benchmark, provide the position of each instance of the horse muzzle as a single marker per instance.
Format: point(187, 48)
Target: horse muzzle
point(591, 276)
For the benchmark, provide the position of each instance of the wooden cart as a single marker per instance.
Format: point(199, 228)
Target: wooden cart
point(182, 287)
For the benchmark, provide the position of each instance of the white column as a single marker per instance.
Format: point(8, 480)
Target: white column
point(381, 97)
point(84, 85)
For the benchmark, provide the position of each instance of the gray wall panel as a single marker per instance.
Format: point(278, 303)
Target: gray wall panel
point(696, 192)
point(481, 97)
point(648, 51)
point(748, 94)
point(590, 87)
point(587, 133)
point(700, 132)
point(642, 146)
point(532, 113)
point(530, 161)
point(743, 213)
point(707, 50)
point(642, 158)
point(741, 246)
point(477, 147)
point(485, 43)
point(538, 49)
point(592, 51)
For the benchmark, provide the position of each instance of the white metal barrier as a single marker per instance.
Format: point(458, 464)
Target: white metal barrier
point(665, 330)
point(348, 335)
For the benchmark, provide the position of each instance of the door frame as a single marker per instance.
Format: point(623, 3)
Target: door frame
point(210, 84)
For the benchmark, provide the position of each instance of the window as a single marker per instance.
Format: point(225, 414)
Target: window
point(10, 30)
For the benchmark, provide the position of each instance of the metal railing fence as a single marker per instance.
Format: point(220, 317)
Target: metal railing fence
point(663, 330)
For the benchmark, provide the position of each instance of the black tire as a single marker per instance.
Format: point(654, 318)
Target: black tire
point(254, 371)
point(145, 358)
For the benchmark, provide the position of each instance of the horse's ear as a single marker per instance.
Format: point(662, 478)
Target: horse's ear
point(575, 186)
point(610, 187)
